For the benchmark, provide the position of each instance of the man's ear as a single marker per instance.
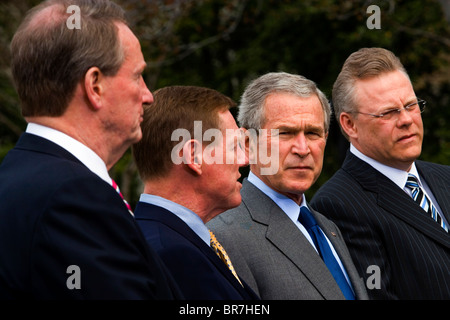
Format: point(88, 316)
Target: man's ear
point(251, 145)
point(192, 155)
point(348, 124)
point(244, 143)
point(94, 87)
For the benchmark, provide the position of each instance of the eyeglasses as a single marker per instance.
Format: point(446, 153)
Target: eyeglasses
point(390, 114)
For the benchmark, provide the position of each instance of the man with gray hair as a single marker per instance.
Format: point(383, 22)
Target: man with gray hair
point(280, 246)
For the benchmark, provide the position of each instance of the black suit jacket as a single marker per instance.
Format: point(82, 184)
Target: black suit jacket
point(196, 268)
point(56, 213)
point(384, 227)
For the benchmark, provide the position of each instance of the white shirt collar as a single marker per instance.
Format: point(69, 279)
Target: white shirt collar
point(286, 204)
point(88, 157)
point(397, 176)
point(289, 206)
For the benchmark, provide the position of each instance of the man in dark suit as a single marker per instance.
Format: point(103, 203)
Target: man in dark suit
point(272, 237)
point(65, 232)
point(392, 209)
point(187, 183)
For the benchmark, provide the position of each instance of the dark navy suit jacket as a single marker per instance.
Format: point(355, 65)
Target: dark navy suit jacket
point(55, 213)
point(196, 268)
point(384, 227)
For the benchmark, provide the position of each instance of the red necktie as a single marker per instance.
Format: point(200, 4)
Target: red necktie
point(116, 187)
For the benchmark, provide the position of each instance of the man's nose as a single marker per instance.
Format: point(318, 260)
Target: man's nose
point(301, 146)
point(404, 117)
point(147, 96)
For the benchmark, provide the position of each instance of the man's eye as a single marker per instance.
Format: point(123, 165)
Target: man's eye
point(389, 113)
point(314, 135)
point(411, 106)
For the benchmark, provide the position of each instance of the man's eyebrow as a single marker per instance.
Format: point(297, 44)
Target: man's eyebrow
point(295, 128)
point(288, 127)
point(315, 127)
point(391, 107)
point(142, 67)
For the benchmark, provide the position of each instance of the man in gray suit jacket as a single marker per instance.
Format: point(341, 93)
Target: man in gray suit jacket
point(270, 245)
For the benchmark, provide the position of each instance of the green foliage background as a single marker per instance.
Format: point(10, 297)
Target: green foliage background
point(223, 44)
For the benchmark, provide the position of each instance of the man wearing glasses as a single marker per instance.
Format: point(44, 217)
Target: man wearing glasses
point(393, 210)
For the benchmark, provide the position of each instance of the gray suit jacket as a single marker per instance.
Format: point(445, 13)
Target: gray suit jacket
point(274, 257)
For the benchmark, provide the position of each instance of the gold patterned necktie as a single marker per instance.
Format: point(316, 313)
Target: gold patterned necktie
point(220, 251)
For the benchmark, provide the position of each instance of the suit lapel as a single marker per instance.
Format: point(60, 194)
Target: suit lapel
point(156, 213)
point(334, 235)
point(393, 199)
point(35, 143)
point(439, 186)
point(286, 237)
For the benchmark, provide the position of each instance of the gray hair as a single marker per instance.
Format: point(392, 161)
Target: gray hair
point(251, 113)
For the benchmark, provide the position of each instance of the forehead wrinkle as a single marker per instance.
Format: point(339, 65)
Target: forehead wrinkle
point(297, 121)
point(385, 91)
point(296, 109)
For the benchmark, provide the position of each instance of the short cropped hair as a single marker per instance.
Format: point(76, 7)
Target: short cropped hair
point(174, 107)
point(363, 64)
point(251, 114)
point(48, 59)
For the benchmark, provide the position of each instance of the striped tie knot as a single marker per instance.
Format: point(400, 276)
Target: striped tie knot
point(412, 181)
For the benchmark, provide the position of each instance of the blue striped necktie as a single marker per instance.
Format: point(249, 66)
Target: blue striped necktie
point(307, 220)
point(423, 201)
